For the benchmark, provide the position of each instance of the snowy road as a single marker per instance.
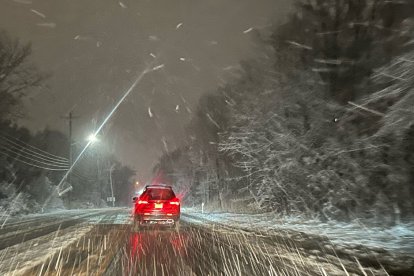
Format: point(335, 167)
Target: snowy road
point(102, 242)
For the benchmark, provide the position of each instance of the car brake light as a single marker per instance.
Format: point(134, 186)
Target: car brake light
point(175, 202)
point(142, 202)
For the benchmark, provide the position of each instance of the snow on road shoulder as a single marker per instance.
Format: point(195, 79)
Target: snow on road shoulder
point(397, 239)
point(5, 219)
point(17, 259)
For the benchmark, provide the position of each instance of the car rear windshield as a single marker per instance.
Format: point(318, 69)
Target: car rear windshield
point(159, 194)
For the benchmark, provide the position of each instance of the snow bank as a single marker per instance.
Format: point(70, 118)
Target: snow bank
point(397, 239)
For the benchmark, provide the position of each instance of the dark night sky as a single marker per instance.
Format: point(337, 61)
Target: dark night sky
point(94, 49)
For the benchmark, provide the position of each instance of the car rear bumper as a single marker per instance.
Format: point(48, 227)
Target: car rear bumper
point(154, 218)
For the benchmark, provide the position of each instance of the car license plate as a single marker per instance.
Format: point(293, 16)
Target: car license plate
point(158, 205)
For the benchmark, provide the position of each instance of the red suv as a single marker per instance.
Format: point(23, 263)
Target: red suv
point(157, 205)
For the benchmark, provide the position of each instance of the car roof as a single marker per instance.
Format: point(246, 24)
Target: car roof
point(161, 186)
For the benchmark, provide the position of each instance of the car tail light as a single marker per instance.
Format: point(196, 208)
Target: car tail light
point(142, 202)
point(175, 201)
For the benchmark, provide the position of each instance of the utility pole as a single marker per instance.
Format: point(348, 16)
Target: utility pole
point(70, 146)
point(110, 181)
point(70, 118)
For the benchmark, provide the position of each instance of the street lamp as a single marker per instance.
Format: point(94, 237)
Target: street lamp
point(92, 138)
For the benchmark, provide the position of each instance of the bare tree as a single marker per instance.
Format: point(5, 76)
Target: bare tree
point(17, 74)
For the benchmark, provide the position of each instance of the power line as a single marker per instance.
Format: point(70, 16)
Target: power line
point(16, 155)
point(27, 155)
point(28, 152)
point(54, 158)
point(28, 149)
point(36, 148)
point(33, 165)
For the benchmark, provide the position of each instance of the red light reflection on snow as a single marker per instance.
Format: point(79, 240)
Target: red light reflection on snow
point(154, 249)
point(157, 242)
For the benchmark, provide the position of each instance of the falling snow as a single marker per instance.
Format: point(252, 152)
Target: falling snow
point(227, 244)
point(153, 38)
point(248, 30)
point(294, 150)
point(158, 67)
point(299, 45)
point(47, 25)
point(26, 2)
point(38, 13)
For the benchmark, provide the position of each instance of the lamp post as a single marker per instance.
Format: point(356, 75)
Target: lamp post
point(110, 181)
point(93, 139)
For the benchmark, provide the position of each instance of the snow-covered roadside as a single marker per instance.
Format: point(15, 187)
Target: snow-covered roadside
point(6, 219)
point(398, 239)
point(17, 259)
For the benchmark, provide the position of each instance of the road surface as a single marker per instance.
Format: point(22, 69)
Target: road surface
point(103, 242)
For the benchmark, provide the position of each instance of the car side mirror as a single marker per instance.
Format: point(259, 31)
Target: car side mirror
point(134, 198)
